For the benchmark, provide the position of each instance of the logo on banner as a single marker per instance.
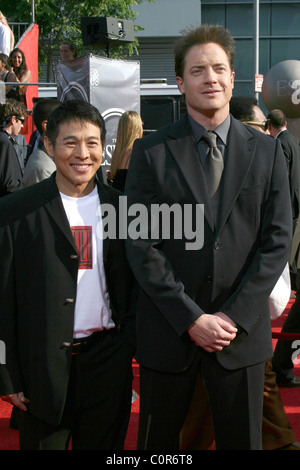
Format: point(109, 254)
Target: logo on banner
point(74, 91)
point(112, 115)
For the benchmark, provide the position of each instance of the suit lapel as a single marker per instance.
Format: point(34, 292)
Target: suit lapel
point(239, 158)
point(54, 207)
point(183, 147)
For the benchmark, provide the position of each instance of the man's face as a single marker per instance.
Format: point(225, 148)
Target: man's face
point(207, 82)
point(259, 117)
point(78, 154)
point(17, 124)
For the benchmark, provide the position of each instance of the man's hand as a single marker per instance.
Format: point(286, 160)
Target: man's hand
point(16, 399)
point(213, 332)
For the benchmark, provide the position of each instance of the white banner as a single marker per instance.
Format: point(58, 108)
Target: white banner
point(112, 86)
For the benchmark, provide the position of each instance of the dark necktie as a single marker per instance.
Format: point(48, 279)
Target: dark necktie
point(213, 164)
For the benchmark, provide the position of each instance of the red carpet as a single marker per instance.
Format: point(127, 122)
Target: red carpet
point(290, 399)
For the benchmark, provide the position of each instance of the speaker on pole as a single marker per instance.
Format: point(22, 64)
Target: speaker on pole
point(106, 30)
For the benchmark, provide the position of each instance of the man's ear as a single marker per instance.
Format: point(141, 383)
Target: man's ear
point(44, 126)
point(48, 146)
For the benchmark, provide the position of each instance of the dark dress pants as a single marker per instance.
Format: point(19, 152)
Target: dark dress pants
point(98, 403)
point(235, 397)
point(283, 364)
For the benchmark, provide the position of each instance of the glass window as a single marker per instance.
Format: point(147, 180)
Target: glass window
point(284, 49)
point(285, 20)
point(239, 20)
point(243, 61)
point(264, 56)
point(213, 14)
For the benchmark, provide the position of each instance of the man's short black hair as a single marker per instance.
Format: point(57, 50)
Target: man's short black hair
point(42, 111)
point(241, 107)
point(74, 110)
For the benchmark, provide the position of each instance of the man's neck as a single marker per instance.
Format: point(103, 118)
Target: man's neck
point(7, 129)
point(209, 120)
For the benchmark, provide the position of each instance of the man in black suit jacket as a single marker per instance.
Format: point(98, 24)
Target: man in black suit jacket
point(277, 126)
point(204, 307)
point(66, 309)
point(12, 116)
point(282, 360)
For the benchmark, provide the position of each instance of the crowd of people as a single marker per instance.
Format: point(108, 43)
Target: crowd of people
point(77, 306)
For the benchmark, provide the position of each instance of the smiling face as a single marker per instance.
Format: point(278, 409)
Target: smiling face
point(16, 59)
point(78, 154)
point(207, 83)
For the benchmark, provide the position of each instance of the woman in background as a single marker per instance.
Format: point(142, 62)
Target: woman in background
point(68, 51)
point(18, 63)
point(7, 76)
point(130, 128)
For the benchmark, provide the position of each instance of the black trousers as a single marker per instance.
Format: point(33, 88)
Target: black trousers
point(235, 397)
point(98, 402)
point(283, 364)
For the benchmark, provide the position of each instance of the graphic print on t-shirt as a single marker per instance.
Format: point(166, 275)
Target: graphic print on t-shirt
point(83, 241)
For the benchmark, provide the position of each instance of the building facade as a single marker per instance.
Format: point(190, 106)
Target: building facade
point(163, 21)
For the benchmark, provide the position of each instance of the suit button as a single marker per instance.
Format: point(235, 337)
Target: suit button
point(70, 301)
point(216, 245)
point(74, 256)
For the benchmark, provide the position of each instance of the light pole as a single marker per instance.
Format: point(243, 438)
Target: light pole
point(32, 12)
point(255, 42)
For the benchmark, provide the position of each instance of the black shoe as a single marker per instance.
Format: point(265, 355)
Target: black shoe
point(292, 383)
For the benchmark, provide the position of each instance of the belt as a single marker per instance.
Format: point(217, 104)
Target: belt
point(81, 345)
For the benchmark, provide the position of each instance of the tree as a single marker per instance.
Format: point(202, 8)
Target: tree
point(60, 19)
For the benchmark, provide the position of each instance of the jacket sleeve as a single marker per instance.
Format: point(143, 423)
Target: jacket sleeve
point(272, 251)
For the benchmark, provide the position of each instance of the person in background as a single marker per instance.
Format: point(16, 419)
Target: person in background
point(35, 136)
point(7, 39)
point(68, 51)
point(7, 75)
point(40, 165)
point(283, 364)
point(204, 304)
point(18, 63)
point(130, 128)
point(69, 371)
point(277, 127)
point(12, 117)
point(246, 110)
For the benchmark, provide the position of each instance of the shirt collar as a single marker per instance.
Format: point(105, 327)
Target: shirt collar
point(221, 130)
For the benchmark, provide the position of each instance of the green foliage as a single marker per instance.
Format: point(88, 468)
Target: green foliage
point(60, 19)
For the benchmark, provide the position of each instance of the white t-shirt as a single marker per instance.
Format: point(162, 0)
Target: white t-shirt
point(4, 39)
point(92, 310)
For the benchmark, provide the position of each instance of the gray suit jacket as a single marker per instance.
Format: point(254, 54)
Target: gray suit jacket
point(242, 256)
point(38, 167)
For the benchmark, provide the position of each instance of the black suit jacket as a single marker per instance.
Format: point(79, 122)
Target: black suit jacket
point(291, 152)
point(242, 255)
point(10, 170)
point(39, 264)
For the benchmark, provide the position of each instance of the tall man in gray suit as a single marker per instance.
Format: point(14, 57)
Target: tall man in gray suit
point(204, 309)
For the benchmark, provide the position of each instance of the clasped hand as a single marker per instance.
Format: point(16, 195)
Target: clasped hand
point(16, 399)
point(212, 332)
